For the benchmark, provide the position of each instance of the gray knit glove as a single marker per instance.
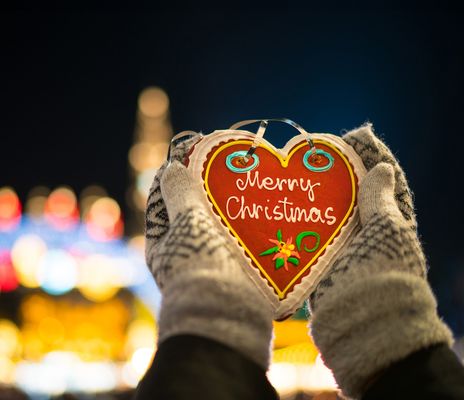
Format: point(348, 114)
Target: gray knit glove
point(374, 306)
point(205, 289)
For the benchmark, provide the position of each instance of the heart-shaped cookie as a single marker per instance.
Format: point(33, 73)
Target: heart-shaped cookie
point(290, 210)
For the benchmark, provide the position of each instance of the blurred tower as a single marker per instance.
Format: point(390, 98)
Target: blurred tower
point(153, 132)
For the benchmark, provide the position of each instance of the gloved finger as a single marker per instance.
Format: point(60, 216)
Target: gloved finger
point(156, 216)
point(179, 190)
point(178, 153)
point(376, 193)
point(182, 149)
point(372, 152)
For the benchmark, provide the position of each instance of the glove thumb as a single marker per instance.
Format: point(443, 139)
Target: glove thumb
point(376, 193)
point(178, 190)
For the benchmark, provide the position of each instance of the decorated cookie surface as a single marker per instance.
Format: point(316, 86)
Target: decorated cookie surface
point(289, 210)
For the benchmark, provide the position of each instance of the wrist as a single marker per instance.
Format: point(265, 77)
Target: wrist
point(226, 309)
point(370, 324)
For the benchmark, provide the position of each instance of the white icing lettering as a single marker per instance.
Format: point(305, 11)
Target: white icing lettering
point(268, 183)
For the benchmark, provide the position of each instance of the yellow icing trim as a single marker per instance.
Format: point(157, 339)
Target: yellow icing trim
point(284, 162)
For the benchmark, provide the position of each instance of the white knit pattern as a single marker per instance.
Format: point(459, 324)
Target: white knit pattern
point(374, 306)
point(205, 291)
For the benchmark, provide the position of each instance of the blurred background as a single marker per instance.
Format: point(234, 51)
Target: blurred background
point(89, 102)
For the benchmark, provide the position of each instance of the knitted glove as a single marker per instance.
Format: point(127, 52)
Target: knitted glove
point(374, 306)
point(205, 290)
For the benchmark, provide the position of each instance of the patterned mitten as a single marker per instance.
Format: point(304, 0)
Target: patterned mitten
point(374, 306)
point(205, 290)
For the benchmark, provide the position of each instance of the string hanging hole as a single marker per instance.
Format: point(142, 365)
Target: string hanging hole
point(317, 157)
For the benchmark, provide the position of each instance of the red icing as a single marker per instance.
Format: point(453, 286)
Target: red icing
point(332, 188)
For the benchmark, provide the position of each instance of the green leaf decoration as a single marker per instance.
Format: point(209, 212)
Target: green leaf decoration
point(279, 263)
point(302, 235)
point(270, 251)
point(293, 260)
point(279, 235)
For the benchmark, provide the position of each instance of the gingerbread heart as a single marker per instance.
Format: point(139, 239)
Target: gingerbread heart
point(290, 210)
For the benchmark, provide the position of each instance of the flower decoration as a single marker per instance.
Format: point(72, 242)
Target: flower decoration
point(284, 252)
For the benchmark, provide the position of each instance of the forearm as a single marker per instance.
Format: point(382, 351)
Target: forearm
point(365, 326)
point(193, 367)
point(431, 373)
point(219, 304)
point(205, 289)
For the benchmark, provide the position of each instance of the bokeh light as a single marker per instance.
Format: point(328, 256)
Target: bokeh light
point(7, 370)
point(57, 272)
point(141, 333)
point(35, 204)
point(153, 102)
point(97, 278)
point(144, 155)
point(138, 243)
point(141, 359)
point(9, 338)
point(8, 278)
point(104, 220)
point(51, 331)
point(88, 196)
point(61, 208)
point(26, 255)
point(144, 181)
point(10, 209)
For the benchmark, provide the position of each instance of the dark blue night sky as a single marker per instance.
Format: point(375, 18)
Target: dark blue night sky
point(71, 83)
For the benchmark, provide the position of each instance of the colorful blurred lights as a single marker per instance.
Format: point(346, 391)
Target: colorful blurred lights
point(97, 278)
point(57, 272)
point(61, 208)
point(104, 220)
point(141, 360)
point(144, 181)
point(8, 278)
point(141, 333)
point(26, 254)
point(7, 370)
point(10, 209)
point(9, 338)
point(51, 330)
point(35, 204)
point(145, 155)
point(153, 102)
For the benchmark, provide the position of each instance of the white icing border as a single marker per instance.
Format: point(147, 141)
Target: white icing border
point(300, 292)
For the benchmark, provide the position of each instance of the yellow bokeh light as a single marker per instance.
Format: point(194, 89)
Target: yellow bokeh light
point(36, 307)
point(33, 347)
point(145, 155)
point(93, 331)
point(98, 280)
point(290, 332)
point(89, 196)
point(51, 331)
point(7, 370)
point(153, 102)
point(141, 333)
point(302, 353)
point(26, 255)
point(141, 360)
point(9, 338)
